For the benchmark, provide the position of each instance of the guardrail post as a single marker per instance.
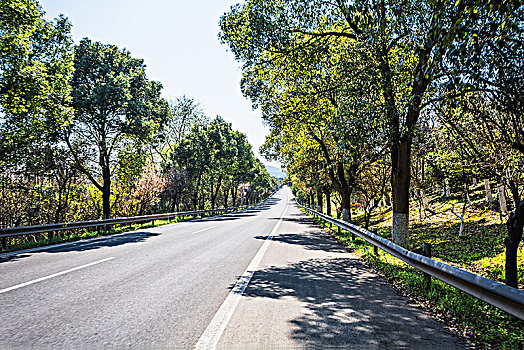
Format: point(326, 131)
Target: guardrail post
point(4, 243)
point(375, 248)
point(426, 247)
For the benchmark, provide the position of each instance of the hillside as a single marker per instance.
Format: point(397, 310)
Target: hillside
point(276, 172)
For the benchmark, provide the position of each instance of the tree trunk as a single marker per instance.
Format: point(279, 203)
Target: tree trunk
point(425, 204)
point(214, 192)
point(212, 195)
point(320, 205)
point(328, 201)
point(234, 192)
point(487, 187)
point(194, 200)
point(515, 225)
point(106, 192)
point(346, 205)
point(400, 181)
point(502, 198)
point(225, 193)
point(466, 190)
point(367, 218)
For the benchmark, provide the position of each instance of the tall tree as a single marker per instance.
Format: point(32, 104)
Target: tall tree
point(185, 113)
point(115, 104)
point(413, 43)
point(35, 69)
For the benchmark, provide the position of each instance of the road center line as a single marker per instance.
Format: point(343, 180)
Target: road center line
point(209, 228)
point(209, 339)
point(53, 275)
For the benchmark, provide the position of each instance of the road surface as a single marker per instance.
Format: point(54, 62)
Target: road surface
point(262, 277)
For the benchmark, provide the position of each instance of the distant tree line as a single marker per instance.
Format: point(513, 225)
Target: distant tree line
point(84, 134)
point(379, 102)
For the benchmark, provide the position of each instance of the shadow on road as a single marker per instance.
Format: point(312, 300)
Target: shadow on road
point(346, 305)
point(312, 240)
point(298, 218)
point(134, 237)
point(80, 246)
point(311, 235)
point(247, 212)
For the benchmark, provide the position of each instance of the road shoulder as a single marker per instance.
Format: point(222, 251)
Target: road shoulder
point(310, 291)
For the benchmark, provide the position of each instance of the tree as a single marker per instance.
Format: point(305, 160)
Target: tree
point(115, 105)
point(242, 169)
point(415, 46)
point(325, 94)
point(185, 113)
point(35, 69)
point(214, 158)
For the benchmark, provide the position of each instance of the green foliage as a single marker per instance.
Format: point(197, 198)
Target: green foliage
point(116, 109)
point(35, 69)
point(82, 126)
point(397, 59)
point(215, 157)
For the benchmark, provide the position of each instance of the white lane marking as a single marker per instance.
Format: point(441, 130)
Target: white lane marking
point(54, 275)
point(209, 228)
point(209, 339)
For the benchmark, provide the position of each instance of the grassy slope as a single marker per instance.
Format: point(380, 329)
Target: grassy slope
point(480, 249)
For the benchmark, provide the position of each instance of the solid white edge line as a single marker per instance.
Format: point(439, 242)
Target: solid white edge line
point(205, 229)
point(53, 275)
point(209, 339)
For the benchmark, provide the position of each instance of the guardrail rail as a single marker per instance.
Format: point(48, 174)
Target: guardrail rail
point(65, 226)
point(497, 294)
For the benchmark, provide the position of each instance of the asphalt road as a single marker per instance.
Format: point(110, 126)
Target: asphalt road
point(166, 287)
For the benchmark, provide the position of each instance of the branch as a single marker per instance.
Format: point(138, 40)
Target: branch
point(81, 166)
point(324, 34)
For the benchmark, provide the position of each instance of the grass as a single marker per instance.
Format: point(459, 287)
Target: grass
point(480, 250)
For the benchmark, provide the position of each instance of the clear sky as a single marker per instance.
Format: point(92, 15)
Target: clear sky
point(179, 43)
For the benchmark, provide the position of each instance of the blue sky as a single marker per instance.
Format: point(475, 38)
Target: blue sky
point(178, 41)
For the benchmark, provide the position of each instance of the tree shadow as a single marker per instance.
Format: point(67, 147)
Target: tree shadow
point(245, 212)
point(345, 305)
point(311, 240)
point(82, 245)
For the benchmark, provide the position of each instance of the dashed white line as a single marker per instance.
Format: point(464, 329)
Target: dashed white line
point(53, 275)
point(209, 339)
point(205, 229)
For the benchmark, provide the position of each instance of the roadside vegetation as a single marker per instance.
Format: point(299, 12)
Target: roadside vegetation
point(408, 109)
point(86, 135)
point(479, 325)
point(42, 240)
point(480, 249)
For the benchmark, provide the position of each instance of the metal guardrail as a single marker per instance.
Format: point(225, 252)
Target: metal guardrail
point(30, 230)
point(497, 294)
